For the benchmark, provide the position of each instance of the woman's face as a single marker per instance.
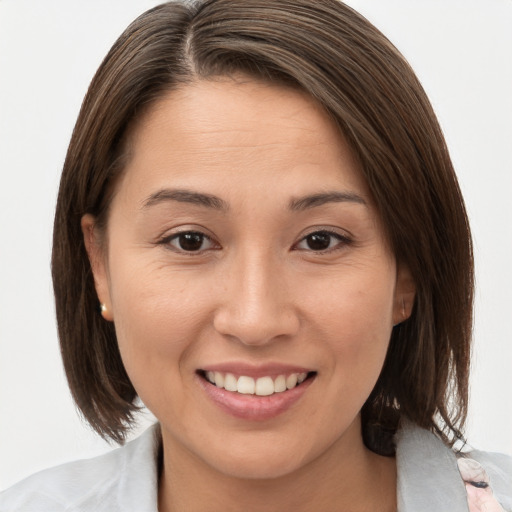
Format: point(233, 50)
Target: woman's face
point(243, 251)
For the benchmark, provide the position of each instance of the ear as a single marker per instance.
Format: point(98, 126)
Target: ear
point(405, 293)
point(97, 258)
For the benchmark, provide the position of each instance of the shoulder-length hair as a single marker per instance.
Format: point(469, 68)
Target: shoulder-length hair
point(337, 57)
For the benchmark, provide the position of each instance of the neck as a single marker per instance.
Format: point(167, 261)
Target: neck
point(347, 477)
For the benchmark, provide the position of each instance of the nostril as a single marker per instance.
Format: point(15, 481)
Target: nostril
point(256, 321)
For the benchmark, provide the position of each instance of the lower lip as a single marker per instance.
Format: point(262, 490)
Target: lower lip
point(253, 407)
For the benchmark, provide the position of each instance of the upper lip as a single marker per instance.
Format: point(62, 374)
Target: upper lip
point(255, 371)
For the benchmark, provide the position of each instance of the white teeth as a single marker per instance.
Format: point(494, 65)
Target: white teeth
point(291, 381)
point(219, 380)
point(301, 377)
point(264, 386)
point(246, 385)
point(230, 382)
point(280, 384)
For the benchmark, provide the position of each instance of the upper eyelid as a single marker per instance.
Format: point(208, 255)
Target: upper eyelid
point(343, 239)
point(166, 241)
point(171, 233)
point(342, 235)
point(327, 229)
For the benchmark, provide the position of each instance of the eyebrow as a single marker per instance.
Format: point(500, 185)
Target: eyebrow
point(314, 200)
point(185, 196)
point(216, 203)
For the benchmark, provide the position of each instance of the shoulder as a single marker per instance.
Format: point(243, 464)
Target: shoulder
point(63, 487)
point(123, 479)
point(487, 474)
point(429, 477)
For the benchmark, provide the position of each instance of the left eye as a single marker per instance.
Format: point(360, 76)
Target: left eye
point(190, 241)
point(321, 241)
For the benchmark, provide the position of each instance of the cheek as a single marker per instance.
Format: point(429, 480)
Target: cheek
point(353, 319)
point(157, 314)
point(356, 305)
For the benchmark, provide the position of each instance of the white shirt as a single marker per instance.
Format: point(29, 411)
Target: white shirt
point(126, 479)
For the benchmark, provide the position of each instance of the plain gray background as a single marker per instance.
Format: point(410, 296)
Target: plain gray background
point(49, 50)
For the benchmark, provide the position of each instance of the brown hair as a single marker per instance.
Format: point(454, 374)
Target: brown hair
point(336, 56)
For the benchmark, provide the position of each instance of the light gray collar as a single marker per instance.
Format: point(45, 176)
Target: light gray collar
point(428, 476)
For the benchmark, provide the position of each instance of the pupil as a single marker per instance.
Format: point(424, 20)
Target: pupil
point(319, 241)
point(191, 241)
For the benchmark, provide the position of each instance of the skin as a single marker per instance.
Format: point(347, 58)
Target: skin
point(255, 292)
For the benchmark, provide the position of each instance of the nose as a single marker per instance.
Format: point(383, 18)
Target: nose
point(257, 305)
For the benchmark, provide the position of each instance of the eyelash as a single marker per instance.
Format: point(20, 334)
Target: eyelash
point(343, 241)
point(176, 236)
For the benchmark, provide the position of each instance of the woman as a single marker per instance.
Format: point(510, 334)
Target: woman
point(259, 233)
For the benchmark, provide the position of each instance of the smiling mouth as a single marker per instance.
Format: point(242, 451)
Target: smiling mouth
point(262, 386)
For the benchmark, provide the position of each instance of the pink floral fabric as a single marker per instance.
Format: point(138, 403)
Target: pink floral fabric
point(478, 487)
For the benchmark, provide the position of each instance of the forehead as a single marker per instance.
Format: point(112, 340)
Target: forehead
point(238, 105)
point(243, 131)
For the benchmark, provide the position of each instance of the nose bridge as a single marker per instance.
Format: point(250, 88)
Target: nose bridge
point(257, 307)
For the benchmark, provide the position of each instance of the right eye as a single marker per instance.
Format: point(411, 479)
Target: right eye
point(190, 241)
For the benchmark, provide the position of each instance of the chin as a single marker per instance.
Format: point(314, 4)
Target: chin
point(262, 455)
point(261, 466)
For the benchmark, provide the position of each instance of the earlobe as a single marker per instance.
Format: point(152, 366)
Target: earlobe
point(96, 254)
point(405, 293)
